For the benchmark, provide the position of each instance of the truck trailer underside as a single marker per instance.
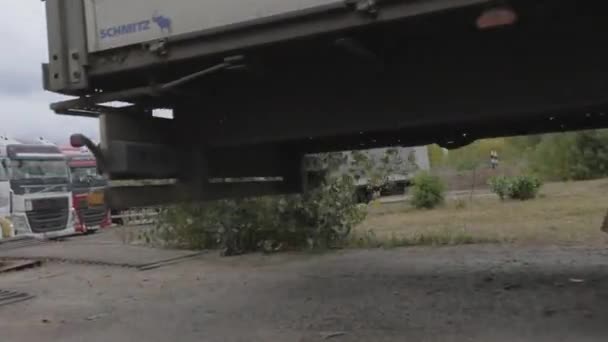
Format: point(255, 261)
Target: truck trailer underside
point(249, 103)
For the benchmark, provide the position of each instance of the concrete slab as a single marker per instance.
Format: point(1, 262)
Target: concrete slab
point(11, 297)
point(102, 248)
point(17, 265)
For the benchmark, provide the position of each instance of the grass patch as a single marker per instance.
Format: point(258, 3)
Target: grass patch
point(447, 237)
point(565, 213)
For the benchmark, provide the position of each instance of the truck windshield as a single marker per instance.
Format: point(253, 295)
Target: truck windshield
point(22, 169)
point(86, 177)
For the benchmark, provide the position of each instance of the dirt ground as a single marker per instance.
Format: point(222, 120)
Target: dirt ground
point(466, 293)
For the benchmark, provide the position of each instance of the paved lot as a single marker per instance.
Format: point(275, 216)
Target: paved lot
point(473, 293)
point(104, 247)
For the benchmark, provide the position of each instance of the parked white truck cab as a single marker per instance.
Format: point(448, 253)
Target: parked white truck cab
point(34, 189)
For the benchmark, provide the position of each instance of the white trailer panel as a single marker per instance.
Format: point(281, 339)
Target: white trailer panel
point(117, 23)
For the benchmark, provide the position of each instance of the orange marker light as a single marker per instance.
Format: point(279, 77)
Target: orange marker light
point(496, 17)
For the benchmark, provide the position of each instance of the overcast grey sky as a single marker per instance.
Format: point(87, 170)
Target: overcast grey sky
point(24, 110)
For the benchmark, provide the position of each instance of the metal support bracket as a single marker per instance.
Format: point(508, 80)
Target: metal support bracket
point(369, 7)
point(159, 47)
point(67, 41)
point(91, 105)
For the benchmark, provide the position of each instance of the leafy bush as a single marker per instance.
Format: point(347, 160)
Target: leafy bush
point(500, 185)
point(524, 187)
point(520, 187)
point(322, 217)
point(428, 191)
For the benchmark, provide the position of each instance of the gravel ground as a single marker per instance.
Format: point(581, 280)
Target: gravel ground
point(469, 293)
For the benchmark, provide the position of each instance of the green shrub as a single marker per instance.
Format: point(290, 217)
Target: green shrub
point(520, 187)
point(322, 217)
point(500, 185)
point(428, 191)
point(524, 187)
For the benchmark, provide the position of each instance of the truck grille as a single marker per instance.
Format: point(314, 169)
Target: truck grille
point(92, 216)
point(49, 215)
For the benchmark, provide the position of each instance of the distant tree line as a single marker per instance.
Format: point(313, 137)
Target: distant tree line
point(560, 156)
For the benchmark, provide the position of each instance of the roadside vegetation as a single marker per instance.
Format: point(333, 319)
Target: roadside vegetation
point(550, 157)
point(428, 191)
point(518, 188)
point(321, 218)
point(508, 204)
point(564, 213)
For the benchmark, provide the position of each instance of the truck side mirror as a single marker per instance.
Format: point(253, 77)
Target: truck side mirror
point(80, 140)
point(77, 140)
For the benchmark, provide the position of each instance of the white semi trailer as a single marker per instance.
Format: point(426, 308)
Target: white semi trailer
point(256, 85)
point(388, 171)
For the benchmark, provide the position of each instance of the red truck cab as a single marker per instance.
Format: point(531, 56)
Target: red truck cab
point(88, 188)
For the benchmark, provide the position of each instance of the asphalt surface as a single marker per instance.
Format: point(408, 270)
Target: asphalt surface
point(104, 247)
point(469, 293)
